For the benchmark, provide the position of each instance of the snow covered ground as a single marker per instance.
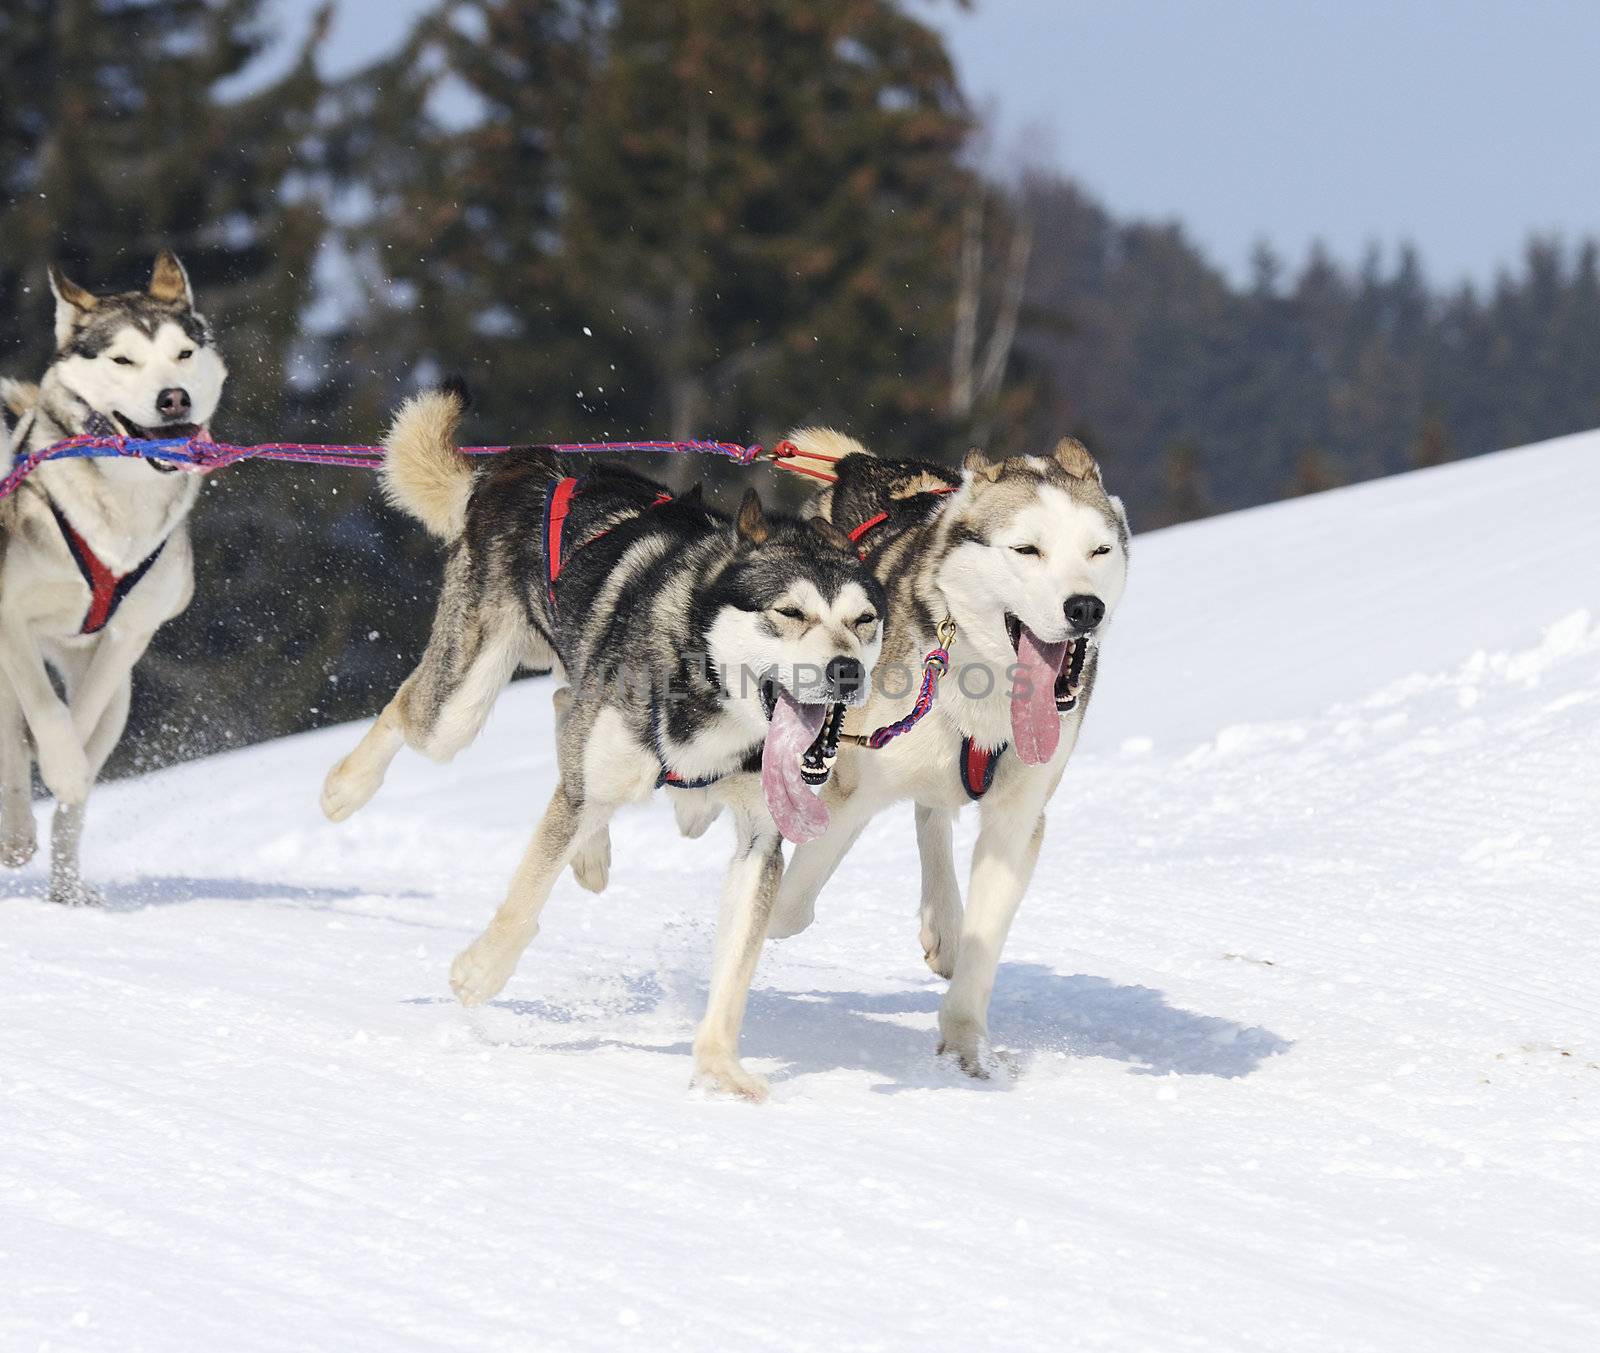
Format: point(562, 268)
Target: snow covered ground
point(1304, 999)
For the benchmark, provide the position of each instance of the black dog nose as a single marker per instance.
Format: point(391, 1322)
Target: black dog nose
point(1084, 612)
point(845, 676)
point(173, 402)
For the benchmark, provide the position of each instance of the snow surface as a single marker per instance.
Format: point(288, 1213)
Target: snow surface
point(1304, 1000)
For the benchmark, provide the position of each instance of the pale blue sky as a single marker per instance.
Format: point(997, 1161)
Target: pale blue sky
point(1461, 125)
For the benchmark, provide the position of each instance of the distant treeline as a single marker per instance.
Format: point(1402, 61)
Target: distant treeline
point(664, 217)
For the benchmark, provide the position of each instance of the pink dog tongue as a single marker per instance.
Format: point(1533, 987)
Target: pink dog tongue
point(800, 815)
point(1035, 721)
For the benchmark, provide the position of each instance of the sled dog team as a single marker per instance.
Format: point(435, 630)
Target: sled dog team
point(735, 662)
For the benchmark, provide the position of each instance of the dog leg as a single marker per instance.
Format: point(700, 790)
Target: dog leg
point(940, 912)
point(474, 649)
point(747, 898)
point(440, 708)
point(484, 966)
point(62, 763)
point(96, 684)
point(19, 836)
point(812, 864)
point(66, 827)
point(591, 862)
point(353, 781)
point(1002, 865)
point(695, 810)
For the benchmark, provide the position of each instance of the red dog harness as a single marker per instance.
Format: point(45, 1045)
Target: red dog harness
point(872, 523)
point(557, 504)
point(107, 590)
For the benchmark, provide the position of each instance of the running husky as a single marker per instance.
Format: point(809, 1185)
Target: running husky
point(1016, 566)
point(700, 653)
point(96, 552)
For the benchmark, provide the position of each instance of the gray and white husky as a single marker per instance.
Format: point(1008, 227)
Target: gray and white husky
point(1024, 560)
point(96, 552)
point(700, 653)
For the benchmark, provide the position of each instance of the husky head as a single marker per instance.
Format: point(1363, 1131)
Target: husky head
point(1037, 562)
point(796, 627)
point(143, 359)
point(797, 612)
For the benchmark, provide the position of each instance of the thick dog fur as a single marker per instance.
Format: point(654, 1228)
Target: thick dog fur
point(116, 357)
point(1019, 537)
point(662, 612)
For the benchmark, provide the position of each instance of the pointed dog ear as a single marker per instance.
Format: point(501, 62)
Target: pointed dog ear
point(169, 283)
point(976, 463)
point(1073, 457)
point(72, 304)
point(753, 528)
point(832, 534)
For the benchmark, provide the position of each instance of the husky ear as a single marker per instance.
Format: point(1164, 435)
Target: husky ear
point(832, 534)
point(753, 528)
point(72, 304)
point(1073, 457)
point(169, 283)
point(976, 463)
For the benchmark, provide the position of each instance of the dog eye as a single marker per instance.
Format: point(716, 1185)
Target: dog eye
point(186, 354)
point(790, 613)
point(1026, 549)
point(123, 361)
point(867, 619)
point(1096, 553)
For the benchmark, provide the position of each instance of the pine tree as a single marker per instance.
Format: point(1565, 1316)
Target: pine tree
point(1186, 495)
point(117, 139)
point(462, 142)
point(1432, 446)
point(675, 218)
point(764, 210)
point(1314, 472)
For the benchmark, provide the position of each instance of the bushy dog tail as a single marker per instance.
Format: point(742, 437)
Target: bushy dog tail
point(827, 442)
point(423, 473)
point(824, 442)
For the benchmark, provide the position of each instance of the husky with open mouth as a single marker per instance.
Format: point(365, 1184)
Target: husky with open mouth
point(1016, 566)
point(702, 654)
point(96, 552)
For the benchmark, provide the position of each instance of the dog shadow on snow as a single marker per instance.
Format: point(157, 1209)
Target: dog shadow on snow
point(1036, 1014)
point(164, 890)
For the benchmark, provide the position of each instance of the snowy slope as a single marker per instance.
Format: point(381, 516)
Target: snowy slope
point(1304, 998)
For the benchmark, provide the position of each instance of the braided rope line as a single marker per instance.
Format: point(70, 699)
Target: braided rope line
point(203, 455)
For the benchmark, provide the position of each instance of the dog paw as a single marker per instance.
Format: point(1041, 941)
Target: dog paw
point(721, 1073)
point(591, 866)
point(346, 790)
point(695, 811)
point(74, 892)
point(790, 916)
point(969, 1049)
point(18, 846)
point(481, 970)
point(939, 947)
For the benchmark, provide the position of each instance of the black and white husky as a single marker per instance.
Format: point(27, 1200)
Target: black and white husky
point(1023, 561)
point(700, 653)
point(96, 552)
